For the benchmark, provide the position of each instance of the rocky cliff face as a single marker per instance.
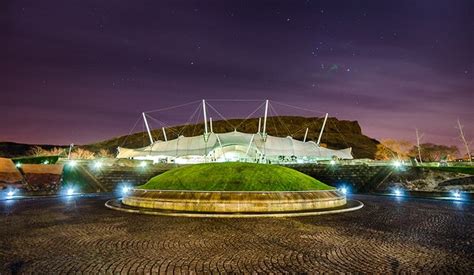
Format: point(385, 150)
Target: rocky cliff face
point(338, 134)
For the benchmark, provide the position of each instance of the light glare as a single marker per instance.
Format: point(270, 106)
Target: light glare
point(10, 194)
point(456, 194)
point(98, 164)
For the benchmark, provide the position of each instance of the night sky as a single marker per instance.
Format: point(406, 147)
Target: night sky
point(83, 71)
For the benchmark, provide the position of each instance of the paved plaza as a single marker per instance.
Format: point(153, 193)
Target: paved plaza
point(58, 235)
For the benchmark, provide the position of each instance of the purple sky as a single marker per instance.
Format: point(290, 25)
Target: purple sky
point(82, 71)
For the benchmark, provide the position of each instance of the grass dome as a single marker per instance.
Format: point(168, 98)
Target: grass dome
point(234, 176)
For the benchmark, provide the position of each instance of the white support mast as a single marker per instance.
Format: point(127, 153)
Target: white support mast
point(147, 128)
point(220, 145)
point(259, 125)
point(250, 145)
point(322, 129)
point(418, 139)
point(70, 149)
point(205, 119)
point(463, 138)
point(164, 133)
point(210, 124)
point(264, 132)
point(305, 135)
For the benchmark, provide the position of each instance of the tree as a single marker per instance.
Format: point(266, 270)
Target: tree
point(38, 151)
point(464, 141)
point(104, 153)
point(80, 153)
point(435, 152)
point(418, 147)
point(393, 149)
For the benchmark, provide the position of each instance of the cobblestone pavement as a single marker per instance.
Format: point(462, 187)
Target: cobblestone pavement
point(54, 235)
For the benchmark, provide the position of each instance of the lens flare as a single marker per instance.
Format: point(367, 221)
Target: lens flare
point(97, 165)
point(456, 194)
point(10, 194)
point(70, 191)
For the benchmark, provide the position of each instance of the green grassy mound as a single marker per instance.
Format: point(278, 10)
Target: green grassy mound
point(234, 176)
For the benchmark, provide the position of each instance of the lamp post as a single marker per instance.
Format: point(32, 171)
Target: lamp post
point(70, 149)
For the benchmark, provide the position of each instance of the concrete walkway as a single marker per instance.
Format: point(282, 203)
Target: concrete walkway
point(79, 234)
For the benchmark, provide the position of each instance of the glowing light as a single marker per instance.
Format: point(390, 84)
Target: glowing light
point(397, 192)
point(45, 162)
point(72, 163)
point(10, 194)
point(97, 165)
point(332, 162)
point(397, 163)
point(343, 190)
point(70, 191)
point(125, 190)
point(18, 164)
point(456, 194)
point(143, 164)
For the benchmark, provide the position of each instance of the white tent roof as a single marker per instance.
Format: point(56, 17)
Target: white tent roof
point(197, 146)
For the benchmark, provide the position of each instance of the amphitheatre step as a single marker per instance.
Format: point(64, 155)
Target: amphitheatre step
point(42, 177)
point(9, 174)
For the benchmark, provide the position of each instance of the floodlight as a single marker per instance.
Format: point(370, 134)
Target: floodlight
point(456, 194)
point(332, 162)
point(98, 165)
point(72, 163)
point(397, 192)
point(70, 191)
point(143, 164)
point(125, 189)
point(10, 194)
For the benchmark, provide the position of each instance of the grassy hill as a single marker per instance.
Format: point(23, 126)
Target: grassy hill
point(234, 176)
point(338, 134)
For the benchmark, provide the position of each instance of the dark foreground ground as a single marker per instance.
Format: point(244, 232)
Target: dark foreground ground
point(55, 235)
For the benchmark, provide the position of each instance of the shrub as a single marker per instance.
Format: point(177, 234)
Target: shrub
point(103, 153)
point(38, 151)
point(80, 153)
point(36, 160)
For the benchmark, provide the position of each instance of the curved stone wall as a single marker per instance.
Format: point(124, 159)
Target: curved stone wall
point(234, 202)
